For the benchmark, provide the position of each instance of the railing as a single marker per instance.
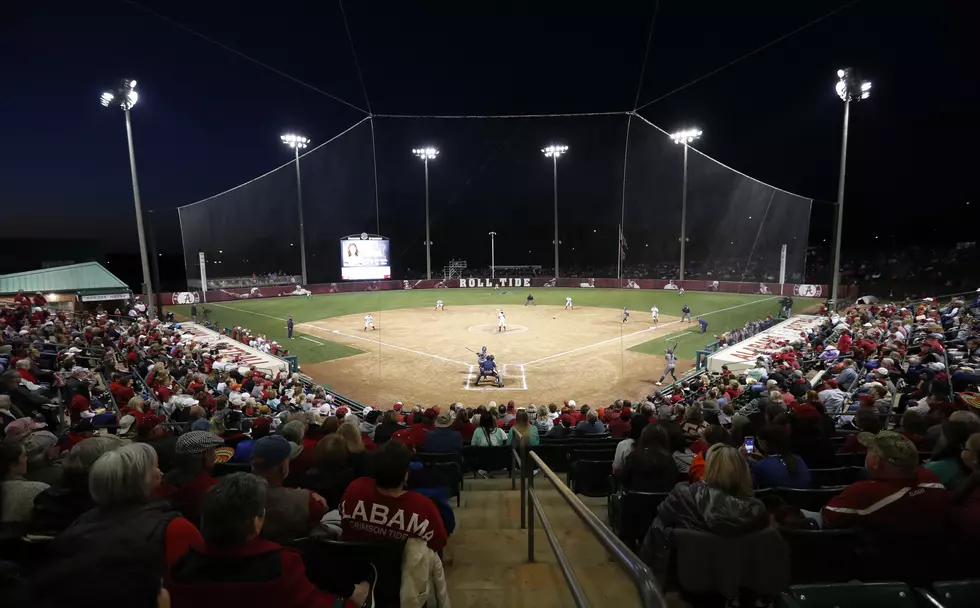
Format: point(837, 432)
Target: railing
point(639, 572)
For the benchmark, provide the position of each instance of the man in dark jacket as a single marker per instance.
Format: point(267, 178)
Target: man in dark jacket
point(563, 428)
point(234, 565)
point(444, 439)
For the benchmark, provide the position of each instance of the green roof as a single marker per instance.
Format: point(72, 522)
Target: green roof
point(75, 277)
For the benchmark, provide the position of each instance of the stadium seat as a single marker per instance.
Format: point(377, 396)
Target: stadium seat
point(809, 500)
point(445, 474)
point(496, 458)
point(576, 454)
point(839, 476)
point(434, 457)
point(637, 510)
point(591, 477)
point(762, 566)
point(850, 595)
point(957, 594)
point(822, 556)
point(334, 566)
point(555, 455)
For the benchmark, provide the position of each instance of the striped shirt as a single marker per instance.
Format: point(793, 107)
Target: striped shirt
point(918, 504)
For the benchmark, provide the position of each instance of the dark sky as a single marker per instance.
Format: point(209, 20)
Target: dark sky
point(208, 119)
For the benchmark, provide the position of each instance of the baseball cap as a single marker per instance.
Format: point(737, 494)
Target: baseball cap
point(22, 427)
point(429, 413)
point(398, 406)
point(341, 412)
point(126, 424)
point(271, 451)
point(893, 447)
point(201, 424)
point(444, 419)
point(261, 424)
point(197, 442)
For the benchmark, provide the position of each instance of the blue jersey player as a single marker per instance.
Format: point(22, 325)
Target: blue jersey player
point(488, 368)
point(703, 324)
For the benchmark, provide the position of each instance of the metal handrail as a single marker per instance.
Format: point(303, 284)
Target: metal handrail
point(641, 575)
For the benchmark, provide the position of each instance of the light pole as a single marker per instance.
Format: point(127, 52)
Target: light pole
point(427, 154)
point(849, 88)
point(297, 143)
point(492, 257)
point(684, 138)
point(553, 152)
point(124, 94)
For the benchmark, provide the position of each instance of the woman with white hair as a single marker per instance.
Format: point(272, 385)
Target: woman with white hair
point(122, 484)
point(543, 421)
point(56, 508)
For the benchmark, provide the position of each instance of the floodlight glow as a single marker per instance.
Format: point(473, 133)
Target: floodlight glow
point(425, 153)
point(850, 88)
point(686, 136)
point(865, 86)
point(107, 98)
point(840, 73)
point(125, 94)
point(554, 151)
point(294, 141)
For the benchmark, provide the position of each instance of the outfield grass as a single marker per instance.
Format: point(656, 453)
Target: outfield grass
point(267, 316)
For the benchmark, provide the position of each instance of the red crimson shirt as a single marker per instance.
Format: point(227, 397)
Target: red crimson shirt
point(368, 515)
point(917, 504)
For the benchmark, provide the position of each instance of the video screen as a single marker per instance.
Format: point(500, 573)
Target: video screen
point(364, 259)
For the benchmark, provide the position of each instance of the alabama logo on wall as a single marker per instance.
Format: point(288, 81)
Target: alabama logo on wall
point(808, 291)
point(186, 297)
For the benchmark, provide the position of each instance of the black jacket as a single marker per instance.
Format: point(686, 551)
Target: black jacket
point(700, 507)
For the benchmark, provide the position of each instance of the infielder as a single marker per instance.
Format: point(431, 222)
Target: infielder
point(439, 305)
point(671, 363)
point(530, 300)
point(368, 322)
point(626, 315)
point(655, 312)
point(501, 321)
point(568, 304)
point(680, 291)
point(686, 313)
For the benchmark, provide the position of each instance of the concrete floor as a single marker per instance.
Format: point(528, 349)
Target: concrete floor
point(486, 558)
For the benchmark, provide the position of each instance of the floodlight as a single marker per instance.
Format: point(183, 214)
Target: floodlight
point(426, 153)
point(686, 136)
point(850, 87)
point(554, 151)
point(125, 91)
point(294, 141)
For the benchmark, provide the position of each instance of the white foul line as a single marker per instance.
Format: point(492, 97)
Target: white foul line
point(636, 333)
point(311, 340)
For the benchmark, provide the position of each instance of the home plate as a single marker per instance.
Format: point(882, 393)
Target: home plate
point(336, 331)
point(513, 374)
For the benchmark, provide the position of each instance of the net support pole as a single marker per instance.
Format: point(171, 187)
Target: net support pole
point(493, 260)
point(683, 212)
point(555, 159)
point(428, 241)
point(302, 231)
point(782, 268)
point(838, 236)
point(144, 259)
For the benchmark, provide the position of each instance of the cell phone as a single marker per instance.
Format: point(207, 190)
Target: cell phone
point(749, 445)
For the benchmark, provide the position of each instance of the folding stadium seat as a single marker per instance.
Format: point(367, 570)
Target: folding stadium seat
point(496, 458)
point(849, 595)
point(956, 594)
point(637, 511)
point(447, 474)
point(555, 455)
point(809, 500)
point(838, 476)
point(591, 477)
point(577, 455)
point(757, 563)
point(333, 565)
point(822, 556)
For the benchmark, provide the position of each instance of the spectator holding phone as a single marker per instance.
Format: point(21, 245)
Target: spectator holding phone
point(773, 463)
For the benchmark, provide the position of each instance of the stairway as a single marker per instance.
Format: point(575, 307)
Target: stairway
point(486, 558)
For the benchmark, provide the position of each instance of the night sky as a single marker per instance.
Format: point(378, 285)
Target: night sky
point(209, 119)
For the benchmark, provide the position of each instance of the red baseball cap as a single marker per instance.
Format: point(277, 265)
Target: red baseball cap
point(429, 413)
point(341, 412)
point(398, 406)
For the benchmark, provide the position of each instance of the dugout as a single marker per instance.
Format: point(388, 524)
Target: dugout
point(70, 287)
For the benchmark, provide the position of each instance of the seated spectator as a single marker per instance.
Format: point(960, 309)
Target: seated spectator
point(623, 449)
point(543, 421)
point(899, 498)
point(775, 465)
point(293, 512)
point(914, 429)
point(683, 456)
point(122, 390)
point(489, 434)
point(947, 463)
point(388, 427)
point(122, 484)
point(722, 504)
point(381, 509)
point(358, 456)
point(27, 401)
point(331, 473)
point(714, 434)
point(17, 494)
point(650, 466)
point(694, 424)
point(235, 565)
point(523, 430)
point(149, 430)
point(619, 426)
point(866, 421)
point(56, 508)
point(966, 497)
point(563, 427)
point(591, 425)
point(295, 431)
point(186, 482)
point(261, 427)
point(463, 426)
point(443, 439)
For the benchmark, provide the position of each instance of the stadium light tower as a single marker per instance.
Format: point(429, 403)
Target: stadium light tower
point(427, 154)
point(125, 96)
point(297, 143)
point(684, 138)
point(492, 260)
point(553, 152)
point(849, 88)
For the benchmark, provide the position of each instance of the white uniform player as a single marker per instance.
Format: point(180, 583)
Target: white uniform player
point(501, 321)
point(368, 322)
point(656, 314)
point(568, 304)
point(439, 305)
point(680, 291)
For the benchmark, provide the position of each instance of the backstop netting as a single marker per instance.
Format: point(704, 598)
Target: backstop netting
point(620, 173)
